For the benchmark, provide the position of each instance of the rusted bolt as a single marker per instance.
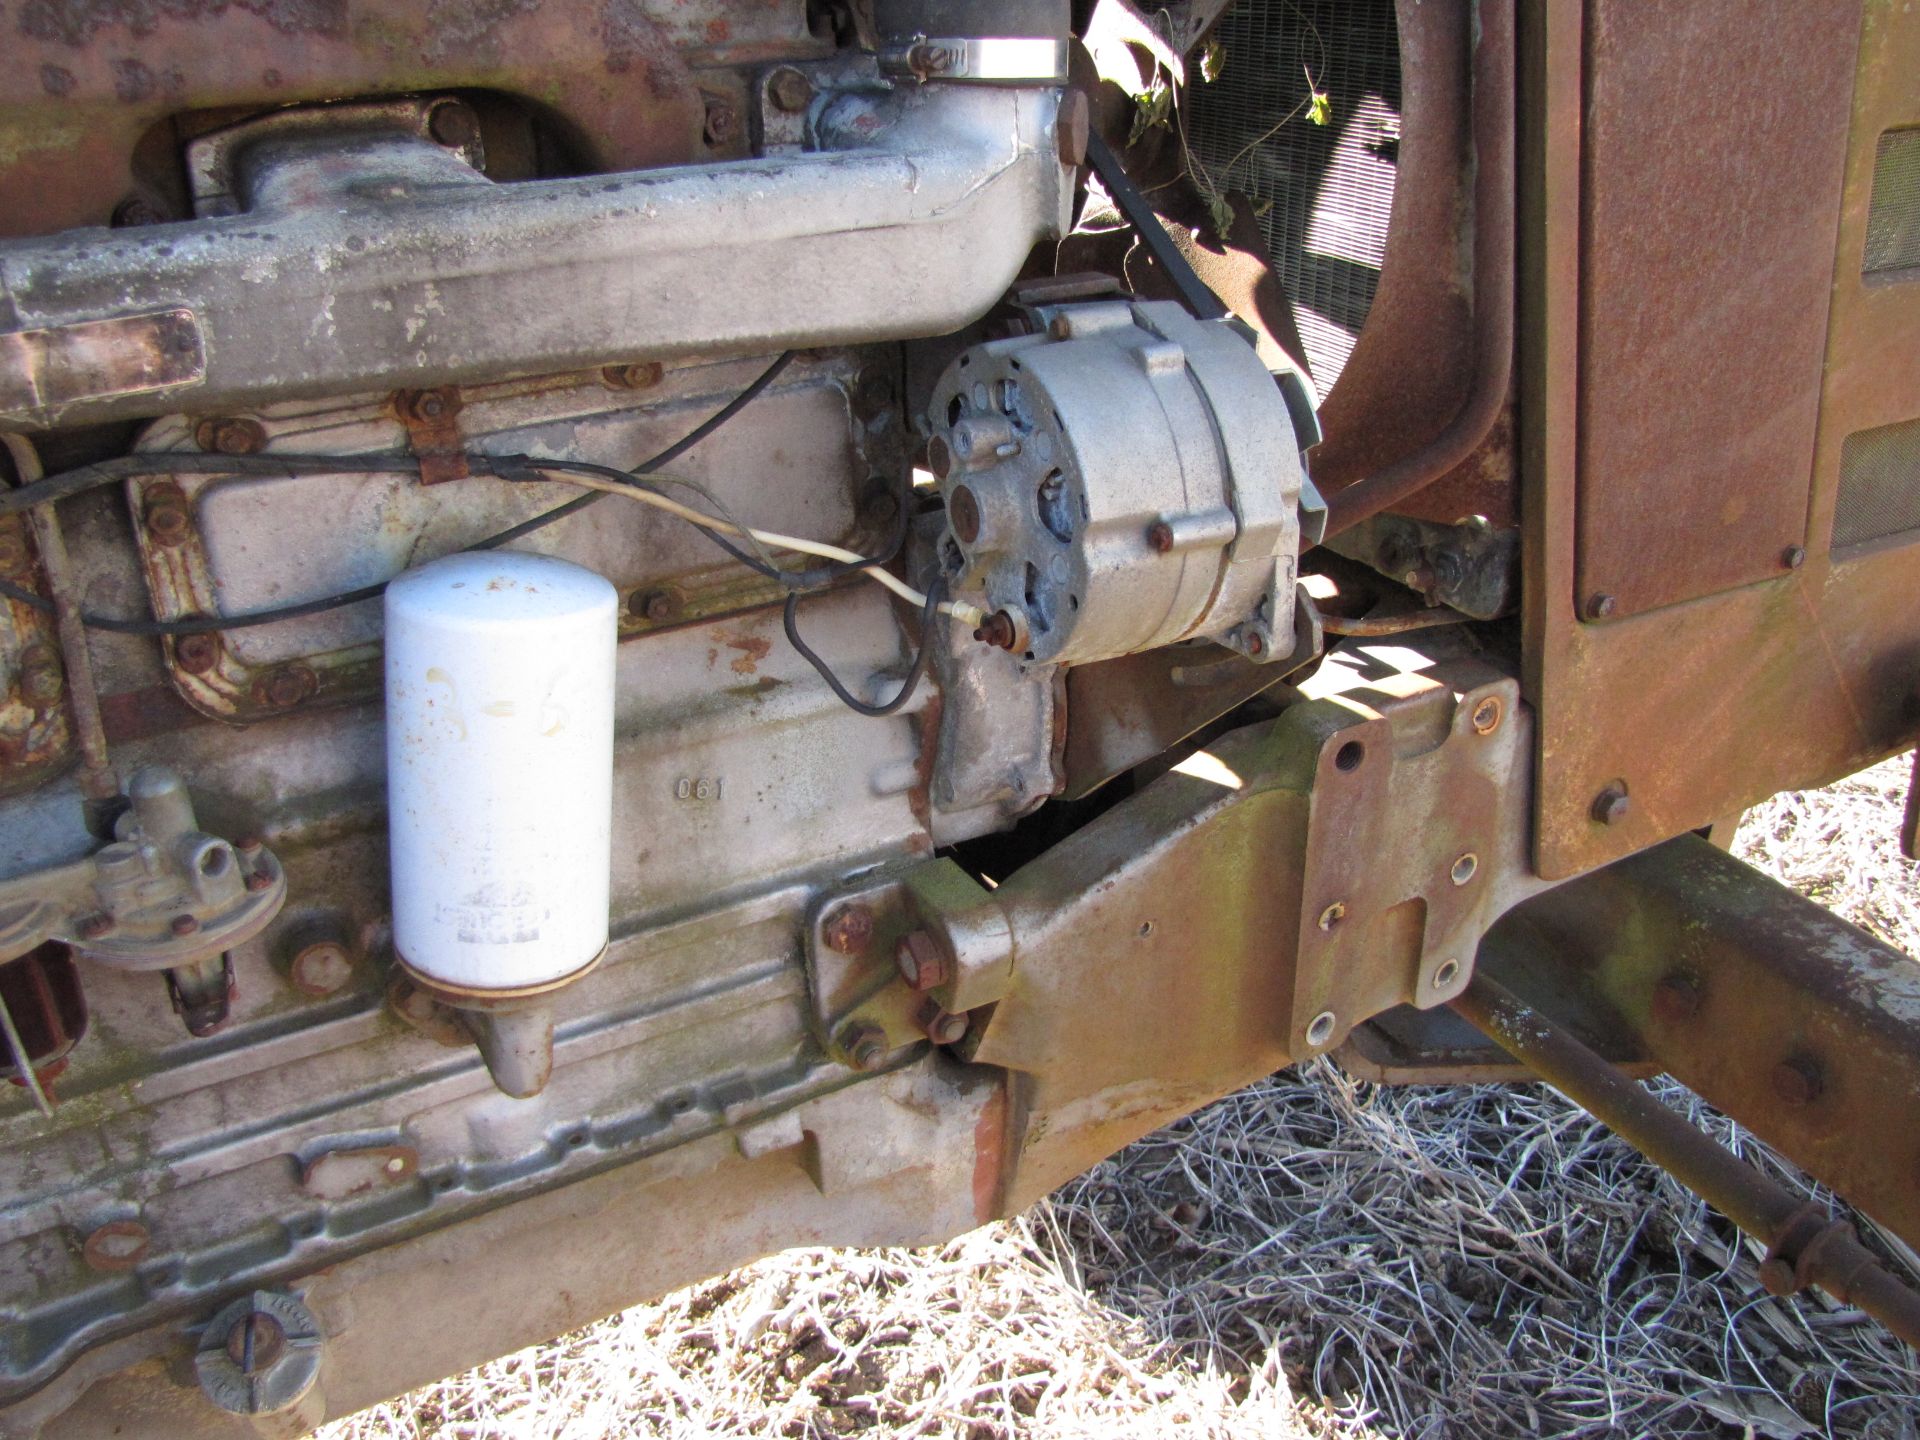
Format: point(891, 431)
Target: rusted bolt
point(184, 925)
point(963, 514)
point(789, 90)
point(865, 1045)
point(286, 687)
point(94, 926)
point(322, 968)
point(255, 1342)
point(942, 1027)
point(452, 123)
point(166, 513)
point(1611, 805)
point(926, 61)
point(1072, 123)
point(1160, 537)
point(1676, 998)
point(116, 1247)
point(258, 880)
point(1793, 557)
point(722, 123)
point(197, 654)
point(1799, 1079)
point(658, 605)
point(1255, 644)
point(13, 552)
point(42, 681)
point(1333, 915)
point(998, 630)
point(1486, 715)
point(1060, 328)
point(640, 375)
point(229, 435)
point(849, 929)
point(922, 960)
point(1601, 606)
point(427, 406)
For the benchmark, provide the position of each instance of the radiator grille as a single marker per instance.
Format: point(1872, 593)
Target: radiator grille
point(1879, 484)
point(1893, 219)
point(1323, 192)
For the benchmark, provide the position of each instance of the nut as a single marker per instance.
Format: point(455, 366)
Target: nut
point(197, 654)
point(1486, 715)
point(942, 1027)
point(789, 90)
point(452, 123)
point(849, 929)
point(658, 605)
point(286, 687)
point(427, 406)
point(722, 123)
point(865, 1045)
point(922, 960)
point(166, 513)
point(640, 375)
point(1601, 606)
point(1611, 805)
point(1799, 1079)
point(230, 436)
point(322, 968)
point(1072, 124)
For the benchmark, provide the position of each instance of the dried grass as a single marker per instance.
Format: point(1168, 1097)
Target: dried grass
point(1309, 1257)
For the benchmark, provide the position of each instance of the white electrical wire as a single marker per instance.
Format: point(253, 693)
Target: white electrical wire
point(958, 609)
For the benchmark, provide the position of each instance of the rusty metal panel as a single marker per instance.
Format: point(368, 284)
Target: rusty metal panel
point(1714, 150)
point(1702, 708)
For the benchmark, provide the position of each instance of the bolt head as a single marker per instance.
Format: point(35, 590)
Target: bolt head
point(285, 687)
point(1601, 606)
point(641, 375)
point(1793, 557)
point(258, 880)
point(942, 1027)
point(184, 925)
point(865, 1046)
point(94, 927)
point(453, 124)
point(322, 968)
point(657, 606)
point(165, 513)
point(922, 961)
point(1072, 124)
point(789, 90)
point(722, 123)
point(1612, 805)
point(197, 654)
point(1160, 537)
point(849, 929)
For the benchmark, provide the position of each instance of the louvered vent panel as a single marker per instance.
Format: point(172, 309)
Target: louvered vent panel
point(1325, 191)
point(1879, 484)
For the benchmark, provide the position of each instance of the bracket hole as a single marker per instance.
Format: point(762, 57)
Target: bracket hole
point(1464, 868)
point(1349, 756)
point(1445, 973)
point(1320, 1029)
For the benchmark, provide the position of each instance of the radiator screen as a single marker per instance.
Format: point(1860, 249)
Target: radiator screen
point(1893, 219)
point(1879, 484)
point(1323, 192)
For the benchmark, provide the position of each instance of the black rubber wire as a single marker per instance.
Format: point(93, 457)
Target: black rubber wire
point(517, 467)
point(929, 614)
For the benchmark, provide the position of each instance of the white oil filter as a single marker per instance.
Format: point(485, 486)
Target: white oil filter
point(499, 681)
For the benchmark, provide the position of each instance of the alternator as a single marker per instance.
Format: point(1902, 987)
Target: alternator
point(1127, 479)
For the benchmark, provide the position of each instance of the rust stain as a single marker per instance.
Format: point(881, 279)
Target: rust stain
point(75, 25)
point(753, 650)
point(990, 1154)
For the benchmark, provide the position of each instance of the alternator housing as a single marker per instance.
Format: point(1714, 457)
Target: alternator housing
point(1124, 479)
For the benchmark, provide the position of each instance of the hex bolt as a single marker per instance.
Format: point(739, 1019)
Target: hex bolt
point(849, 929)
point(789, 90)
point(452, 123)
point(1255, 645)
point(184, 925)
point(165, 513)
point(658, 605)
point(942, 1027)
point(922, 960)
point(1072, 124)
point(230, 435)
point(1799, 1079)
point(42, 682)
point(722, 122)
point(258, 880)
point(1793, 557)
point(13, 552)
point(865, 1045)
point(1486, 715)
point(321, 969)
point(286, 687)
point(640, 375)
point(1676, 998)
point(1601, 606)
point(1611, 805)
point(197, 654)
point(95, 926)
